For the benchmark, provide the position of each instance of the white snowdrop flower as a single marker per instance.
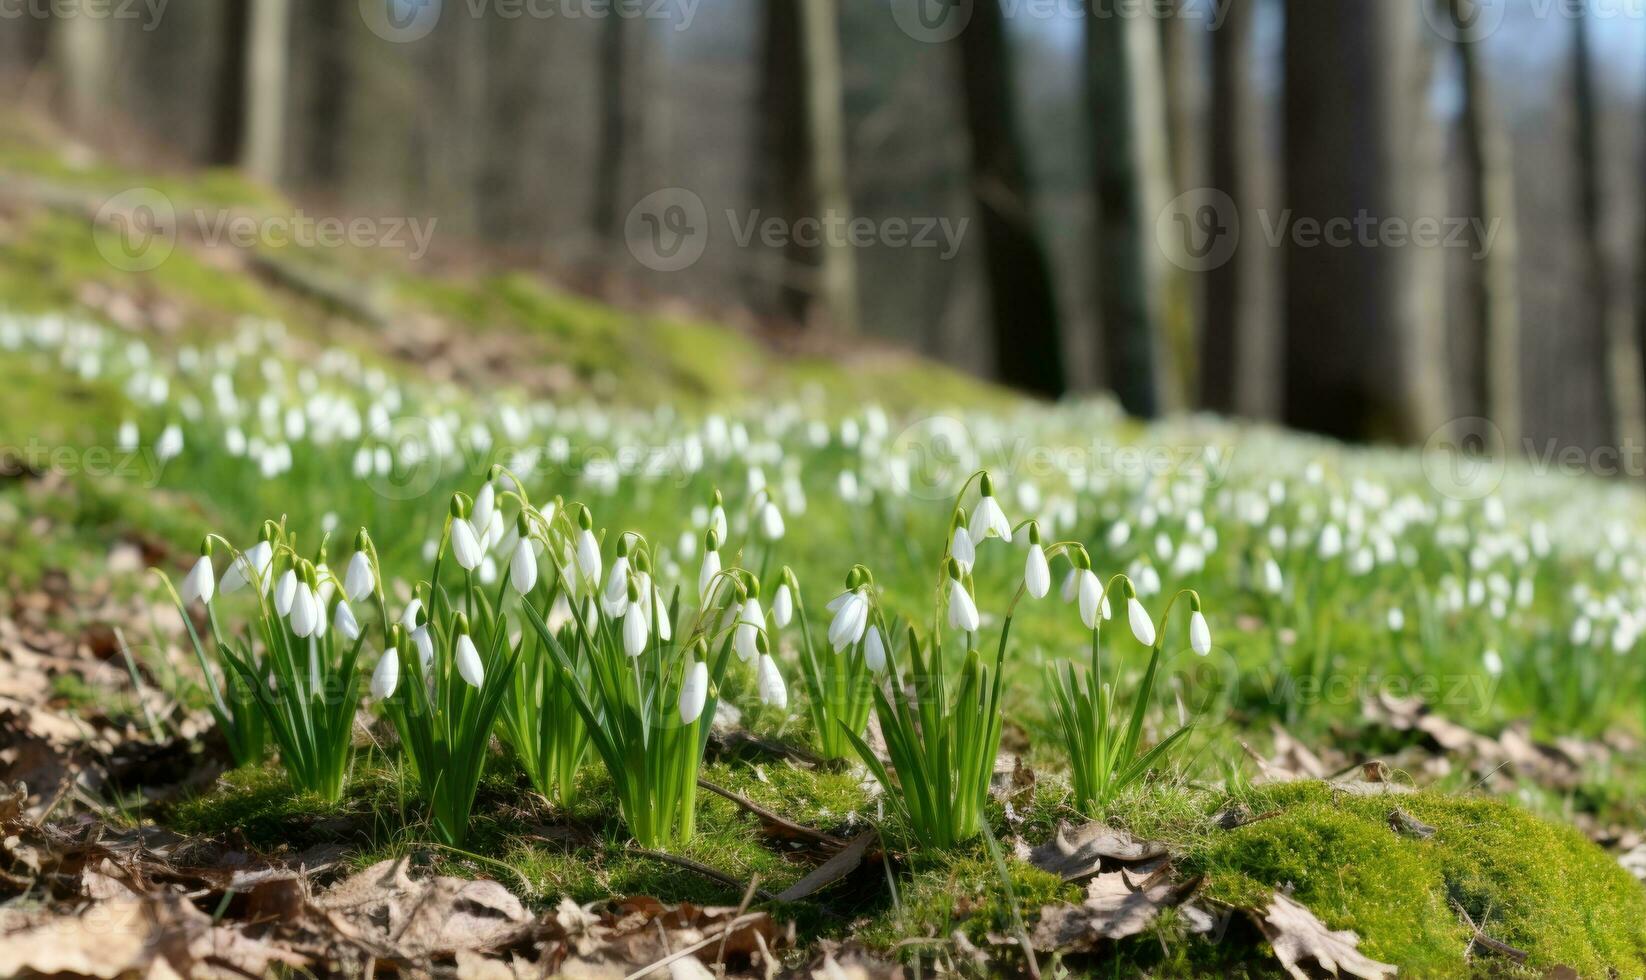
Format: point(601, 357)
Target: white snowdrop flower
point(465, 546)
point(127, 440)
point(1091, 597)
point(1119, 533)
point(1273, 583)
point(615, 598)
point(782, 605)
point(1492, 662)
point(1142, 626)
point(1071, 585)
point(962, 610)
point(170, 444)
point(962, 549)
point(523, 566)
point(385, 677)
point(874, 650)
point(253, 565)
point(201, 581)
point(771, 521)
point(750, 622)
point(424, 643)
point(1163, 546)
point(1581, 631)
point(988, 520)
point(408, 618)
point(1397, 619)
point(1037, 574)
point(694, 692)
point(468, 663)
point(480, 515)
point(1331, 542)
point(634, 630)
point(285, 592)
point(1200, 635)
point(851, 618)
point(344, 622)
point(769, 681)
point(305, 610)
point(588, 554)
point(717, 518)
point(1148, 580)
point(706, 574)
point(686, 546)
point(358, 580)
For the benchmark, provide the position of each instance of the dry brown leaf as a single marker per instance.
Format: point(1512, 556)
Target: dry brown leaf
point(1077, 853)
point(386, 911)
point(1118, 904)
point(1299, 939)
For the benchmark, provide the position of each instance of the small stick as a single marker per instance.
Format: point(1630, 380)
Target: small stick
point(768, 815)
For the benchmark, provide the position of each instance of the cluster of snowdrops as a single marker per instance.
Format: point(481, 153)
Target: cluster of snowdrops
point(570, 640)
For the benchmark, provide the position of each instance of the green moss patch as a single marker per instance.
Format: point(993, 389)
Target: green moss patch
point(1535, 885)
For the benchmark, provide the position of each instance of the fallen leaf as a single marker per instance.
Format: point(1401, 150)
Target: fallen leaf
point(1078, 853)
point(387, 912)
point(1118, 904)
point(835, 868)
point(1402, 822)
point(1300, 939)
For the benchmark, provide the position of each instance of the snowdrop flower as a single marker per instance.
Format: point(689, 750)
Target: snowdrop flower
point(170, 443)
point(874, 650)
point(1331, 542)
point(201, 581)
point(285, 592)
point(961, 548)
point(851, 614)
point(467, 657)
point(1090, 593)
point(710, 567)
point(634, 628)
point(1037, 574)
point(425, 646)
point(252, 565)
point(783, 601)
point(962, 610)
point(1138, 617)
point(408, 619)
point(1272, 581)
point(344, 622)
point(588, 549)
point(1397, 619)
point(480, 515)
point(1492, 662)
point(751, 622)
point(523, 565)
point(717, 516)
point(358, 580)
point(769, 682)
point(385, 677)
point(615, 599)
point(1200, 635)
point(988, 519)
point(1071, 585)
point(305, 610)
point(771, 521)
point(694, 692)
point(465, 545)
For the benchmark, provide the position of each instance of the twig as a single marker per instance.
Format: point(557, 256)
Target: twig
point(725, 930)
point(771, 817)
point(702, 869)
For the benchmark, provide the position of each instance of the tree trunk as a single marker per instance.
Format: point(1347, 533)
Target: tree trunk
point(267, 65)
point(1493, 382)
point(1622, 369)
point(616, 109)
point(228, 129)
point(1236, 368)
point(1127, 305)
point(81, 53)
point(327, 110)
point(1022, 306)
point(1355, 361)
point(801, 162)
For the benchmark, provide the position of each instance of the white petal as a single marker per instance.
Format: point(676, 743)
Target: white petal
point(634, 631)
point(358, 580)
point(523, 567)
point(465, 546)
point(201, 581)
point(782, 605)
point(1142, 626)
point(1037, 574)
point(874, 651)
point(962, 610)
point(285, 592)
point(468, 662)
point(386, 676)
point(694, 691)
point(1200, 635)
point(344, 622)
point(770, 682)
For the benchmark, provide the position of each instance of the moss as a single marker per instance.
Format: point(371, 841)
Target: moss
point(1530, 883)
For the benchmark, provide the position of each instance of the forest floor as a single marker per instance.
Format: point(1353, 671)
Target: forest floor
point(1415, 744)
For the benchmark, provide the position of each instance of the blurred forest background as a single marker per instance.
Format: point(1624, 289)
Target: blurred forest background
point(1134, 176)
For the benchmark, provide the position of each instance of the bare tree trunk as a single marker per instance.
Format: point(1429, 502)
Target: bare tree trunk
point(228, 127)
point(801, 160)
point(1494, 296)
point(1355, 366)
point(81, 50)
point(617, 111)
point(267, 65)
point(1022, 306)
point(826, 128)
point(1127, 305)
point(327, 109)
point(1236, 369)
point(1181, 56)
point(1622, 369)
